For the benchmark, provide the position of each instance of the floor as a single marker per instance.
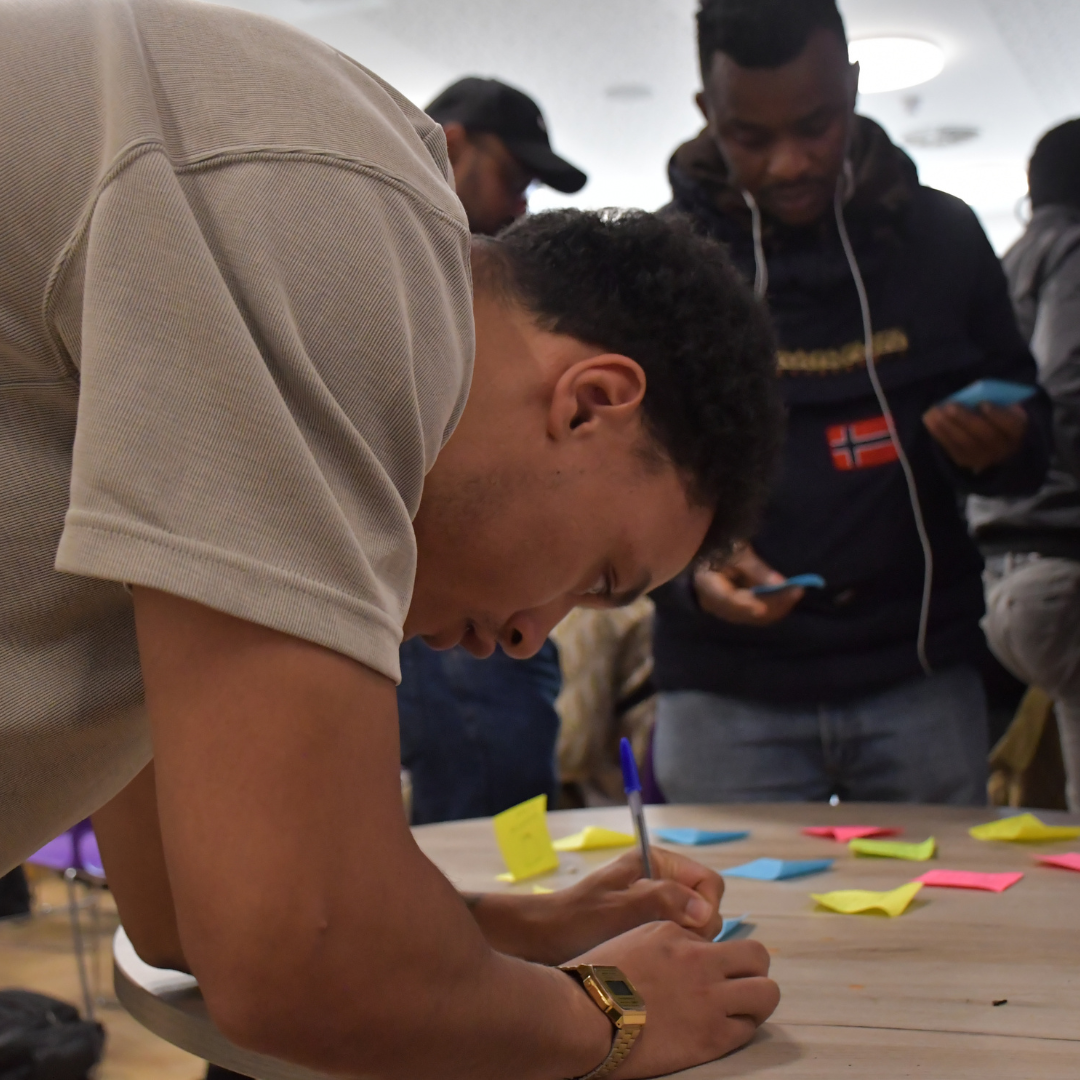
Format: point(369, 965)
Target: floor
point(37, 954)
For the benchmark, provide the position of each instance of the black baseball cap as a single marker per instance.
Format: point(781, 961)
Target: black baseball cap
point(492, 106)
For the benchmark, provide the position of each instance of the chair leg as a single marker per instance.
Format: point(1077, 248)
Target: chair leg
point(92, 894)
point(77, 940)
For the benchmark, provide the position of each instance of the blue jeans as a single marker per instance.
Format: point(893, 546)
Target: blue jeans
point(924, 741)
point(478, 736)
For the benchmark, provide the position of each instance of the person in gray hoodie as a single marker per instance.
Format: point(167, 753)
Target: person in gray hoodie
point(1032, 544)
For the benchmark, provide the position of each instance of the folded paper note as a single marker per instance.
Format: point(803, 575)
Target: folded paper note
point(968, 879)
point(1023, 827)
point(895, 849)
point(698, 836)
point(847, 833)
point(857, 901)
point(593, 837)
point(524, 841)
point(778, 869)
point(730, 926)
point(1069, 861)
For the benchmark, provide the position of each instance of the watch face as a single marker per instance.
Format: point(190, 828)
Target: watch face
point(621, 992)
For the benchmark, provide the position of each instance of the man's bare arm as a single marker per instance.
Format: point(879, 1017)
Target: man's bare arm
point(129, 837)
point(317, 929)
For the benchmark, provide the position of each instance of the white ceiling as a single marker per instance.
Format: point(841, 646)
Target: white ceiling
point(616, 79)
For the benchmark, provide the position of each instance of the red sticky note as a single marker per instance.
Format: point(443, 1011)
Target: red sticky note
point(1069, 861)
point(844, 833)
point(967, 879)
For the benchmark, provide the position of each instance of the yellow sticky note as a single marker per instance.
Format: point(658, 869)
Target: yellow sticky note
point(1023, 827)
point(539, 890)
point(895, 849)
point(524, 840)
point(592, 837)
point(854, 901)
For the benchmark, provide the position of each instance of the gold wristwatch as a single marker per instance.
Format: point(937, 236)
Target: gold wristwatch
point(617, 999)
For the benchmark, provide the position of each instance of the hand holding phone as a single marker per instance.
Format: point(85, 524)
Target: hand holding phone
point(800, 581)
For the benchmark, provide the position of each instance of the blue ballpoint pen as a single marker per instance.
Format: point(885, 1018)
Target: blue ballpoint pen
point(632, 787)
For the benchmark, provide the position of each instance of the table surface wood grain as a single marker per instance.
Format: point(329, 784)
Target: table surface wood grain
point(864, 996)
point(867, 996)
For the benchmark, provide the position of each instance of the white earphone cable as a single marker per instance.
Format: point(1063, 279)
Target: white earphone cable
point(883, 404)
point(761, 265)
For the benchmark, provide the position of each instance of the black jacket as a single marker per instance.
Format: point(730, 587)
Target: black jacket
point(1043, 269)
point(840, 508)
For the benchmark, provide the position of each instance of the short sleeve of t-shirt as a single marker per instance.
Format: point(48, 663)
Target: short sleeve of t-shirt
point(274, 348)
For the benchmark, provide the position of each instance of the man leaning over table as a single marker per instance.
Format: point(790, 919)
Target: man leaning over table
point(236, 341)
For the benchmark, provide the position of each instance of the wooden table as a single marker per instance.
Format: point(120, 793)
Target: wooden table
point(865, 996)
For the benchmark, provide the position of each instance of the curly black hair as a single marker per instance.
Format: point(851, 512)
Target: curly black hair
point(762, 33)
point(652, 289)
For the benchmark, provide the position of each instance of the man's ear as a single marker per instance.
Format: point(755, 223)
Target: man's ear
point(855, 70)
point(702, 102)
point(457, 139)
point(602, 390)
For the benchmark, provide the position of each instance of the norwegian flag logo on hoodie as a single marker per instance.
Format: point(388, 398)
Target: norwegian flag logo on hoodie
point(862, 445)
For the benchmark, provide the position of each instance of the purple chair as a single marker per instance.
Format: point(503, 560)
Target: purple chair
point(74, 855)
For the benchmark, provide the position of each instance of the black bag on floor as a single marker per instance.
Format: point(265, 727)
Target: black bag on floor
point(14, 894)
point(45, 1039)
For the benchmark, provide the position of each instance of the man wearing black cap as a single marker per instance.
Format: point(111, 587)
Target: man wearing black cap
point(498, 145)
point(478, 736)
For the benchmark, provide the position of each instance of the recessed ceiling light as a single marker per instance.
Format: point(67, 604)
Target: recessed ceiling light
point(628, 92)
point(933, 138)
point(894, 63)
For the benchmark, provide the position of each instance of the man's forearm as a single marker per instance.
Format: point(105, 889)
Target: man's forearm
point(129, 837)
point(317, 929)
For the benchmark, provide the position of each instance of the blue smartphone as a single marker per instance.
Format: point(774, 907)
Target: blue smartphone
point(993, 392)
point(800, 581)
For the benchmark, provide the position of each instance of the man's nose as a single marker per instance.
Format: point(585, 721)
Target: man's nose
point(789, 161)
point(525, 633)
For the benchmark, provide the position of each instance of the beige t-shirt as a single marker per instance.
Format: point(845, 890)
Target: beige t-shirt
point(235, 332)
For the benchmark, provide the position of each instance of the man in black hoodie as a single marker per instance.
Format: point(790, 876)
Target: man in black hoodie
point(867, 688)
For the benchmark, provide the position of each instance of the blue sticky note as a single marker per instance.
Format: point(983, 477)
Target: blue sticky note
point(993, 392)
point(698, 836)
point(730, 927)
point(799, 581)
point(778, 869)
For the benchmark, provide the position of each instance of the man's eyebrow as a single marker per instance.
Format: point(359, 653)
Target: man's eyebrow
point(628, 596)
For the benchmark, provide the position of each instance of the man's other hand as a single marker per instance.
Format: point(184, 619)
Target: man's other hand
point(977, 440)
point(726, 593)
point(550, 929)
point(701, 1000)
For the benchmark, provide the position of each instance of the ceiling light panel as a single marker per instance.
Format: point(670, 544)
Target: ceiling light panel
point(895, 63)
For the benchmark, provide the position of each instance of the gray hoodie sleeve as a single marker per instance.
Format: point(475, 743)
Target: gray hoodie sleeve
point(1056, 345)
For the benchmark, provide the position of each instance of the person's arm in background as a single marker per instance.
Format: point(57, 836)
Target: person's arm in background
point(318, 930)
point(726, 591)
point(1056, 342)
point(994, 451)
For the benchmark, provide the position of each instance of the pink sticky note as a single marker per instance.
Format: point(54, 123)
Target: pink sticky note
point(967, 879)
point(844, 833)
point(1069, 861)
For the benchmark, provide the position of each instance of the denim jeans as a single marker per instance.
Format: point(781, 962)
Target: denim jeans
point(478, 736)
point(1033, 626)
point(923, 741)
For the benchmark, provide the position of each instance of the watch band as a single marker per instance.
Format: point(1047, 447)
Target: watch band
point(624, 1042)
point(627, 1017)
